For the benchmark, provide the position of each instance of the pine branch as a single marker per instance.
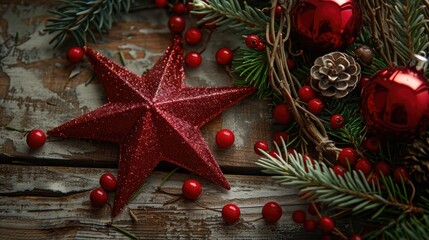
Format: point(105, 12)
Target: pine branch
point(81, 18)
point(231, 15)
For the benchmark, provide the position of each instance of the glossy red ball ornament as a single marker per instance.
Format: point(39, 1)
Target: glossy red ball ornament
point(260, 146)
point(277, 138)
point(225, 138)
point(339, 170)
point(315, 106)
point(299, 216)
point(231, 213)
point(108, 182)
point(382, 168)
point(363, 165)
point(252, 41)
point(98, 197)
point(400, 174)
point(176, 24)
point(272, 212)
point(193, 59)
point(75, 54)
point(224, 56)
point(347, 156)
point(36, 138)
point(191, 189)
point(193, 36)
point(337, 121)
point(326, 224)
point(282, 114)
point(306, 93)
point(310, 225)
point(323, 26)
point(396, 102)
point(179, 8)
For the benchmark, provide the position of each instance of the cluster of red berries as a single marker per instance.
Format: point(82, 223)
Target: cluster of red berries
point(271, 211)
point(36, 138)
point(348, 158)
point(254, 42)
point(98, 196)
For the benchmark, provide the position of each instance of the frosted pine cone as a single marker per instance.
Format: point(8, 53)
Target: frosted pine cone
point(335, 74)
point(417, 161)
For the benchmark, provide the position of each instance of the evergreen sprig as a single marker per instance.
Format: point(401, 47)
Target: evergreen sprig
point(81, 18)
point(231, 15)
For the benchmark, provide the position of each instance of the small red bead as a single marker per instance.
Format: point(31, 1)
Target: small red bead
point(193, 59)
point(252, 41)
point(231, 213)
point(191, 189)
point(400, 174)
point(278, 11)
point(299, 216)
point(176, 24)
point(363, 165)
point(382, 168)
point(313, 208)
point(373, 178)
point(179, 8)
point(225, 138)
point(193, 36)
point(290, 63)
point(36, 138)
point(224, 56)
point(306, 93)
point(75, 54)
point(261, 46)
point(277, 138)
point(340, 170)
point(310, 225)
point(347, 156)
point(282, 114)
point(260, 146)
point(326, 224)
point(315, 106)
point(372, 144)
point(108, 182)
point(98, 197)
point(355, 237)
point(337, 121)
point(161, 3)
point(272, 212)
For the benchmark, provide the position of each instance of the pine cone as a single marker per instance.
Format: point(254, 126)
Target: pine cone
point(417, 161)
point(335, 74)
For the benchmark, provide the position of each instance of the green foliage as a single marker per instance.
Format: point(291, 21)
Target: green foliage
point(81, 18)
point(231, 15)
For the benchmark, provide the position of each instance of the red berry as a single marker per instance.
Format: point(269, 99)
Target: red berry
point(274, 153)
point(315, 106)
point(108, 182)
point(277, 138)
point(225, 138)
point(193, 59)
point(260, 146)
point(176, 24)
point(310, 225)
point(400, 174)
point(278, 11)
point(282, 114)
point(290, 63)
point(224, 56)
point(261, 46)
point(326, 224)
point(98, 197)
point(325, 237)
point(382, 168)
point(373, 178)
point(179, 8)
point(252, 41)
point(355, 237)
point(193, 36)
point(372, 144)
point(313, 208)
point(340, 170)
point(161, 3)
point(75, 54)
point(337, 121)
point(299, 216)
point(189, 5)
point(272, 212)
point(230, 213)
point(306, 93)
point(36, 138)
point(191, 189)
point(363, 165)
point(347, 156)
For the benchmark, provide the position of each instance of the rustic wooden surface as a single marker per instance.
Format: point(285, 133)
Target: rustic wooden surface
point(50, 200)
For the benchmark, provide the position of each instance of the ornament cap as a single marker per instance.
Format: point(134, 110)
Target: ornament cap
point(419, 62)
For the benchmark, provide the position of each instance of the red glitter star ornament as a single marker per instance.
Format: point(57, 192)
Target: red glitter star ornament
point(154, 118)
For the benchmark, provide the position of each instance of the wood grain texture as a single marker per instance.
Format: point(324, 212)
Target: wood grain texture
point(50, 202)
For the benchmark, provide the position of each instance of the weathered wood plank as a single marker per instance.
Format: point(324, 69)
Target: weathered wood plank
point(35, 91)
point(52, 202)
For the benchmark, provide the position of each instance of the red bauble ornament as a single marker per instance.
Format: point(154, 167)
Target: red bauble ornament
point(176, 24)
point(310, 225)
point(347, 156)
point(36, 138)
point(282, 114)
point(272, 212)
point(193, 59)
point(299, 216)
point(326, 224)
point(323, 26)
point(193, 36)
point(224, 56)
point(260, 146)
point(108, 182)
point(98, 197)
point(396, 102)
point(225, 138)
point(159, 119)
point(231, 213)
point(337, 121)
point(306, 93)
point(191, 189)
point(75, 54)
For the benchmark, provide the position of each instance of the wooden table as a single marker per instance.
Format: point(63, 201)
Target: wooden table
point(44, 193)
